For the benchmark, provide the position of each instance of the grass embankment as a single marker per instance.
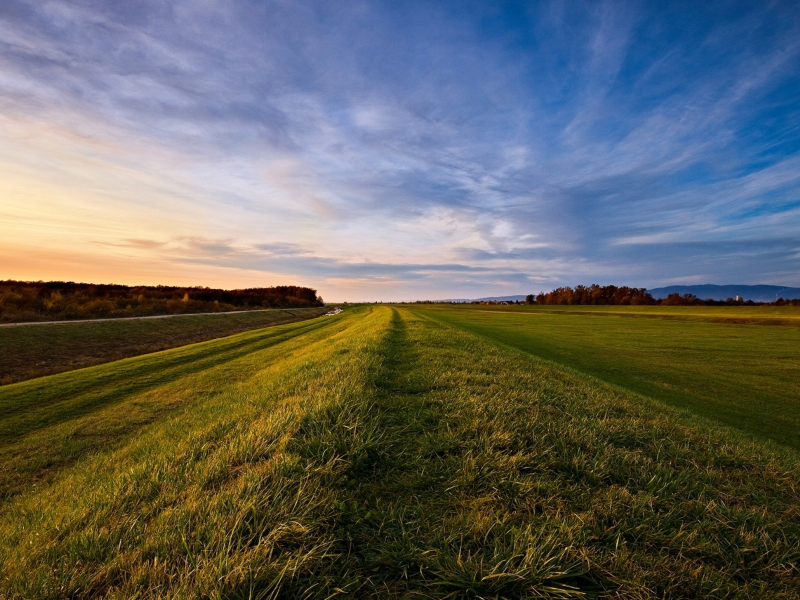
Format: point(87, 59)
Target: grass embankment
point(740, 365)
point(36, 350)
point(382, 454)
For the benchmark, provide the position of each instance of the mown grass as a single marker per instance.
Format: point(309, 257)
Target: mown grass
point(739, 365)
point(34, 351)
point(50, 422)
point(383, 454)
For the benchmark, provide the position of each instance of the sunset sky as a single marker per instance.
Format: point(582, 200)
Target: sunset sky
point(400, 150)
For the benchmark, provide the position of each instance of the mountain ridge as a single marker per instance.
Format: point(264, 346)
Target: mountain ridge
point(756, 293)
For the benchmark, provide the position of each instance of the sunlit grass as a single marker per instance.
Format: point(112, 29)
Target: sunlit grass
point(739, 365)
point(384, 454)
point(37, 350)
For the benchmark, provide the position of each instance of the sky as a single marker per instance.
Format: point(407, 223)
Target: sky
point(400, 150)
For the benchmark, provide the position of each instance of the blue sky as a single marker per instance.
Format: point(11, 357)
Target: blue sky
point(400, 150)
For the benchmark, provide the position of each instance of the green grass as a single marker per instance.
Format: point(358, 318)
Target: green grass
point(739, 365)
point(33, 351)
point(384, 454)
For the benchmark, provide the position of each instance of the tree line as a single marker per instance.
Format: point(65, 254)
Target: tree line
point(611, 294)
point(65, 300)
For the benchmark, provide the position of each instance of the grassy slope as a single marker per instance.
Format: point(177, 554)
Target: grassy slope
point(737, 365)
point(33, 351)
point(383, 454)
point(49, 422)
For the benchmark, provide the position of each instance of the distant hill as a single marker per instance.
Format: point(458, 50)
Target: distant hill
point(756, 293)
point(520, 297)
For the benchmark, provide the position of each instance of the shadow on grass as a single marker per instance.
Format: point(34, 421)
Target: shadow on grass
point(396, 524)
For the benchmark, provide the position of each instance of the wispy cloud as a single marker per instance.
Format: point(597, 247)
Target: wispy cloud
point(422, 150)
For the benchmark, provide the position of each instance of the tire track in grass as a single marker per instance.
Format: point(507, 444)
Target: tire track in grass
point(399, 520)
point(378, 509)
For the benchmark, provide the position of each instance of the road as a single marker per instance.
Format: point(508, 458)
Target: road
point(231, 312)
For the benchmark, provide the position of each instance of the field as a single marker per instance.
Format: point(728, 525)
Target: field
point(33, 351)
point(381, 453)
point(738, 365)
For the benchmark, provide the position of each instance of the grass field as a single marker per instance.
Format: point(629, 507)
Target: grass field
point(739, 365)
point(381, 453)
point(33, 351)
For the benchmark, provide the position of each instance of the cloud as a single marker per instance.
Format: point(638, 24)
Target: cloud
point(450, 148)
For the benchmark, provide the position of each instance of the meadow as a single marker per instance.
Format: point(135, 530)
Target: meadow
point(35, 350)
point(381, 453)
point(738, 365)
